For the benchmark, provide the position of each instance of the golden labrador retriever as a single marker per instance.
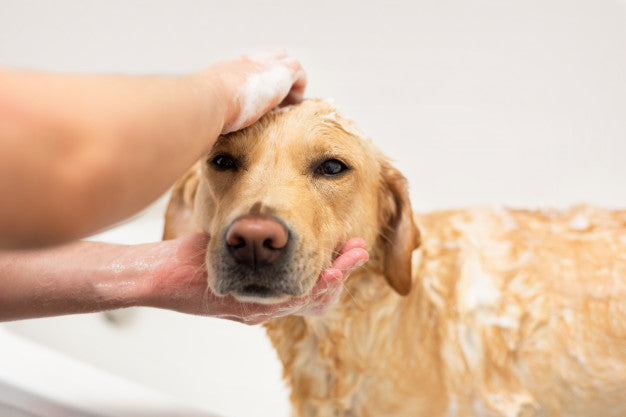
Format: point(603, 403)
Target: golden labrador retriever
point(497, 313)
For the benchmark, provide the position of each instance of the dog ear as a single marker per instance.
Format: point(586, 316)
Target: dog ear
point(399, 233)
point(179, 215)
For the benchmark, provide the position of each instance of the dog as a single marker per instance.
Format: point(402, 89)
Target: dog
point(470, 312)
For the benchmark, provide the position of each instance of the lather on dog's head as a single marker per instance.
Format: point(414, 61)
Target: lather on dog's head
point(280, 197)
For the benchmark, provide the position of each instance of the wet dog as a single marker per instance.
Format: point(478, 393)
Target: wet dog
point(497, 313)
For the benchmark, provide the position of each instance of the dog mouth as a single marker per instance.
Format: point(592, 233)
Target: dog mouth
point(260, 291)
point(254, 287)
point(293, 274)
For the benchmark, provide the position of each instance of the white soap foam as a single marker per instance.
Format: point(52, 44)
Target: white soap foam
point(258, 90)
point(480, 291)
point(580, 222)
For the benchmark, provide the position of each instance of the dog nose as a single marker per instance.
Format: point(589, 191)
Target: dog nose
point(256, 240)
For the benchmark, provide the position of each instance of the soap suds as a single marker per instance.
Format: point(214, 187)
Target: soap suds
point(580, 222)
point(508, 223)
point(336, 120)
point(479, 291)
point(259, 90)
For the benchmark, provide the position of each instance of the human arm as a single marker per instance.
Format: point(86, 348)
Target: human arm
point(81, 152)
point(84, 277)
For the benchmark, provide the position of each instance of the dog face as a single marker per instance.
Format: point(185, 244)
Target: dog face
point(280, 198)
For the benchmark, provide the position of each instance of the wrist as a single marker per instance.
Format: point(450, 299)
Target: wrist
point(218, 100)
point(175, 278)
point(136, 281)
point(122, 276)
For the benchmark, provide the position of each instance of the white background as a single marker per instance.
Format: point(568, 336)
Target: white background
point(520, 103)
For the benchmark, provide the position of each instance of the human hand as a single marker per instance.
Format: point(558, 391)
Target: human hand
point(179, 283)
point(323, 296)
point(255, 83)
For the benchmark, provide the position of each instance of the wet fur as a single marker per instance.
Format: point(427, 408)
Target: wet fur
point(498, 313)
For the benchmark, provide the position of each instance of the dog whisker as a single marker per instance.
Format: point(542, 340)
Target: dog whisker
point(206, 300)
point(354, 301)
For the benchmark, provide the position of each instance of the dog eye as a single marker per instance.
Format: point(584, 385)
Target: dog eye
point(224, 162)
point(331, 167)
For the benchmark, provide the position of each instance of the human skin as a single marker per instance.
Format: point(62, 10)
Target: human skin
point(79, 153)
point(83, 277)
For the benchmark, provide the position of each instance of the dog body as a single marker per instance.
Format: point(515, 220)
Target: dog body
point(513, 313)
point(497, 313)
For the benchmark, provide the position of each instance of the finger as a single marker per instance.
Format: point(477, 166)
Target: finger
point(328, 275)
point(351, 256)
point(295, 96)
point(296, 85)
point(355, 242)
point(351, 259)
point(330, 296)
point(296, 93)
point(322, 301)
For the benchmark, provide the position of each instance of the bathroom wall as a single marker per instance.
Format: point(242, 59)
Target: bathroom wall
point(518, 103)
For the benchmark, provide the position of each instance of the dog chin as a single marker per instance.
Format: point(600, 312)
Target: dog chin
point(261, 294)
point(264, 295)
point(265, 299)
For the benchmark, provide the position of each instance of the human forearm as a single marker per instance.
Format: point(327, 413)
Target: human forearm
point(87, 277)
point(81, 152)
point(77, 278)
point(88, 136)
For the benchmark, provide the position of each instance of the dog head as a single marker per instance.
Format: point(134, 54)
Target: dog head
point(281, 197)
